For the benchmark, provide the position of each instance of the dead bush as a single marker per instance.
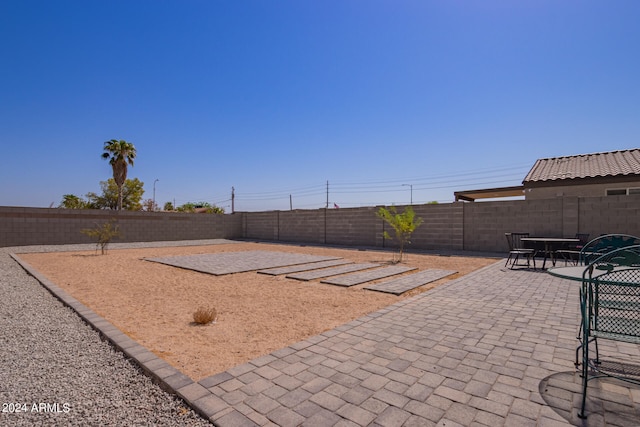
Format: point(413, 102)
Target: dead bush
point(204, 315)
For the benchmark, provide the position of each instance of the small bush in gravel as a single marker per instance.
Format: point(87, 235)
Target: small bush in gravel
point(203, 315)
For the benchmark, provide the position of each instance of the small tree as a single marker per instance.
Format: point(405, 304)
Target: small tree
point(103, 234)
point(404, 224)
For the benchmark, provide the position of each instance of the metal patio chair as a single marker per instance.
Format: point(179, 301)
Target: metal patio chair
point(571, 253)
point(610, 309)
point(517, 249)
point(603, 244)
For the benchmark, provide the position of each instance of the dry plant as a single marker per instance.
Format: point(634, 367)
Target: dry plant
point(203, 315)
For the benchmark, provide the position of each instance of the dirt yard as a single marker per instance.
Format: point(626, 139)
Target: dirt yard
point(257, 314)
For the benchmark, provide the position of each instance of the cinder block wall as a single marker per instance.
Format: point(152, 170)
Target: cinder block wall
point(610, 214)
point(302, 226)
point(261, 225)
point(38, 226)
point(353, 226)
point(486, 222)
point(476, 226)
point(442, 226)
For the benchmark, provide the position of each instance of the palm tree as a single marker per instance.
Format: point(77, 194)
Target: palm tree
point(71, 201)
point(120, 154)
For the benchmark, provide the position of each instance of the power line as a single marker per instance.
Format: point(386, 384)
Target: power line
point(436, 177)
point(303, 195)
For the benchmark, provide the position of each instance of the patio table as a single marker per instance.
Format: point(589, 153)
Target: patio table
point(551, 245)
point(573, 273)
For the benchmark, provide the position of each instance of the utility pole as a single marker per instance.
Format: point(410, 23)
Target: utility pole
point(290, 203)
point(154, 194)
point(233, 199)
point(411, 188)
point(327, 205)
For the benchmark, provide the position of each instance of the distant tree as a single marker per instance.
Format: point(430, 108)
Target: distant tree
point(149, 205)
point(187, 207)
point(205, 207)
point(131, 194)
point(215, 210)
point(404, 224)
point(120, 154)
point(168, 206)
point(71, 201)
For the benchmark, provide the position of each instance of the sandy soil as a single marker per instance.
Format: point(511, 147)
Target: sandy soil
point(257, 314)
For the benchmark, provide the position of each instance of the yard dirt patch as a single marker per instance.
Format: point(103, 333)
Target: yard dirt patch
point(257, 314)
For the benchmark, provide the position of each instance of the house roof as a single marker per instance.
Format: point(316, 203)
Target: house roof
point(608, 164)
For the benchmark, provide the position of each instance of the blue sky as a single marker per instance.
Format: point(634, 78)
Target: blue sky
point(275, 98)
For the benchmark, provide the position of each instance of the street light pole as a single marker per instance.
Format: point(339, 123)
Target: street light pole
point(154, 194)
point(411, 189)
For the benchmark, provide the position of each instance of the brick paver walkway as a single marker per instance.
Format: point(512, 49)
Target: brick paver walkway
point(493, 348)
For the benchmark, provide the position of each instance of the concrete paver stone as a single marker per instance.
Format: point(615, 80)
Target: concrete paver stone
point(411, 281)
point(334, 271)
point(367, 276)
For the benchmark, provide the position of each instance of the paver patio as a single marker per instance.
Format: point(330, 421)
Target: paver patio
point(493, 348)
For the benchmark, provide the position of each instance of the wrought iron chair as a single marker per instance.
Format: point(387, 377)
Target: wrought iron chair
point(517, 249)
point(603, 244)
point(571, 253)
point(610, 309)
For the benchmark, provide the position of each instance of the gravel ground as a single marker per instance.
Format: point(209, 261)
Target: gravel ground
point(56, 370)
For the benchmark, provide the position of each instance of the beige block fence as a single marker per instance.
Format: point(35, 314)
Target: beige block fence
point(478, 226)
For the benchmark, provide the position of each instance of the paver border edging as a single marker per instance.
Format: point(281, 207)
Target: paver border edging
point(170, 379)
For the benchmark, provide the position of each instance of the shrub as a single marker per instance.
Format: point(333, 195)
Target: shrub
point(204, 315)
point(103, 233)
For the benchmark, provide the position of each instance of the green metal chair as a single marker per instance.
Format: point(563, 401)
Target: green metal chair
point(603, 244)
point(610, 309)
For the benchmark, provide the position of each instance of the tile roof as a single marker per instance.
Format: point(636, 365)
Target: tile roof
point(613, 163)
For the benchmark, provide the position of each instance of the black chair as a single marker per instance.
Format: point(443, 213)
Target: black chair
point(571, 253)
point(517, 249)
